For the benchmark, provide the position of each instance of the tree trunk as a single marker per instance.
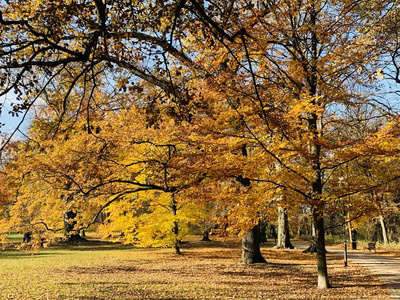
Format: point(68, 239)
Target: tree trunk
point(322, 268)
point(384, 231)
point(251, 252)
point(350, 229)
point(71, 235)
point(283, 230)
point(69, 221)
point(175, 227)
point(206, 235)
point(315, 130)
point(27, 237)
point(262, 227)
point(272, 232)
point(313, 246)
point(73, 238)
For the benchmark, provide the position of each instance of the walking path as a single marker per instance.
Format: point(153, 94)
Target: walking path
point(385, 267)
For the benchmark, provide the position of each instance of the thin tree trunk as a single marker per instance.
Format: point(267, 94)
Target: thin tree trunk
point(283, 230)
point(384, 231)
point(177, 242)
point(262, 226)
point(350, 228)
point(251, 252)
point(175, 227)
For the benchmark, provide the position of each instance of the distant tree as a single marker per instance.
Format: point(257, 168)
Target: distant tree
point(283, 230)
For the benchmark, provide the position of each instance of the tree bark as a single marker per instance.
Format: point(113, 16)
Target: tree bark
point(322, 268)
point(313, 246)
point(74, 238)
point(71, 235)
point(283, 230)
point(262, 227)
point(175, 227)
point(314, 127)
point(69, 221)
point(350, 229)
point(384, 231)
point(27, 237)
point(251, 252)
point(206, 235)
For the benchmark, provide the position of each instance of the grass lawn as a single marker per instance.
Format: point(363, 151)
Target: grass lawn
point(204, 271)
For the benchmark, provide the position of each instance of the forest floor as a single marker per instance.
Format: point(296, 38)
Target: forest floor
point(205, 270)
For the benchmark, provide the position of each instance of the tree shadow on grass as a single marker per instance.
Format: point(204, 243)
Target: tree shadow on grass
point(20, 254)
point(89, 247)
point(102, 283)
point(99, 269)
point(213, 244)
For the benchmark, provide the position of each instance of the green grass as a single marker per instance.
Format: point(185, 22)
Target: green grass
point(62, 272)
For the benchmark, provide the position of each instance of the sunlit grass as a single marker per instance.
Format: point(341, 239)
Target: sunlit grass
point(204, 271)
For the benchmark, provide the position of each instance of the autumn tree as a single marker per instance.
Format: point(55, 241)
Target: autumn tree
point(118, 162)
point(288, 72)
point(283, 72)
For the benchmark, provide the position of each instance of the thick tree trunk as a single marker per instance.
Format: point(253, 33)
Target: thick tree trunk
point(27, 237)
point(69, 221)
point(73, 238)
point(384, 231)
point(71, 235)
point(322, 268)
point(206, 236)
point(283, 230)
point(251, 252)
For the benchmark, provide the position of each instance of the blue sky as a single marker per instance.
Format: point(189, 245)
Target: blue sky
point(10, 122)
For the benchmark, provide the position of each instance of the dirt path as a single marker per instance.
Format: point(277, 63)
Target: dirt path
point(385, 267)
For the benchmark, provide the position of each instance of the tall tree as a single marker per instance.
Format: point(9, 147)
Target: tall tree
point(289, 71)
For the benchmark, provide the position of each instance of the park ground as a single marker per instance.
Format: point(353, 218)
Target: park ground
point(206, 270)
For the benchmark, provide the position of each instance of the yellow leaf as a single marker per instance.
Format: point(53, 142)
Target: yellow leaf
point(379, 73)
